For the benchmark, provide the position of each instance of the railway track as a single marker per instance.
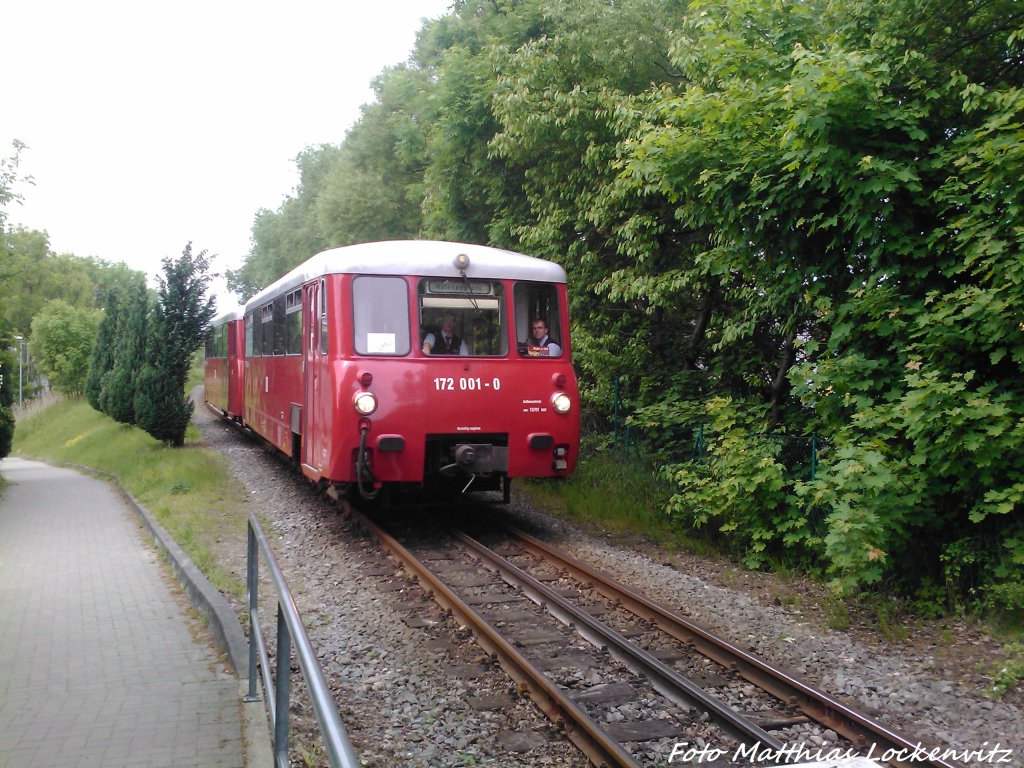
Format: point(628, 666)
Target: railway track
point(628, 681)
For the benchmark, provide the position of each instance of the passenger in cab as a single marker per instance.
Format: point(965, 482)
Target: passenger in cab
point(541, 344)
point(448, 343)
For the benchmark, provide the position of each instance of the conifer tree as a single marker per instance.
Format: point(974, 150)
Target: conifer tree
point(119, 383)
point(102, 359)
point(178, 328)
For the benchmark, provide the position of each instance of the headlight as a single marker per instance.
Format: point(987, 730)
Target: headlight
point(561, 402)
point(365, 403)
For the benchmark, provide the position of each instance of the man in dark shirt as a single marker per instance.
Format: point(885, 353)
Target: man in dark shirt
point(448, 343)
point(541, 340)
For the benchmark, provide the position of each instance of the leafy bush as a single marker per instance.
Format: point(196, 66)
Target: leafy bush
point(741, 487)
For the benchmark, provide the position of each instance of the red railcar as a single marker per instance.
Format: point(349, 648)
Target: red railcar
point(224, 366)
point(348, 369)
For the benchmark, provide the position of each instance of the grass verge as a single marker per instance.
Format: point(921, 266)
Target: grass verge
point(189, 490)
point(617, 495)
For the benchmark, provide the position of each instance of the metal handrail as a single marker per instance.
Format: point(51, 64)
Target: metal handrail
point(289, 629)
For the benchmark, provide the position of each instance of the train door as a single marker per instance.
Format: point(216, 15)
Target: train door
point(313, 367)
point(233, 380)
point(312, 431)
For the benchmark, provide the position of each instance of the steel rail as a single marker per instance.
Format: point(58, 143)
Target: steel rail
point(816, 704)
point(597, 745)
point(664, 679)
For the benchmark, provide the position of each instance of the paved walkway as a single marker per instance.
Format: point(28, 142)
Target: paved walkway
point(100, 665)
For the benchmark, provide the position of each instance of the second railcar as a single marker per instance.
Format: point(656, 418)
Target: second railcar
point(223, 369)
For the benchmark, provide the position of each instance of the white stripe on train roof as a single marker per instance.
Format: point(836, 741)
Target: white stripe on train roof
point(228, 315)
point(414, 257)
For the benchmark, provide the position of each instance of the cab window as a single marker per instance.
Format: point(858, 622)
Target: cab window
point(461, 317)
point(380, 315)
point(537, 313)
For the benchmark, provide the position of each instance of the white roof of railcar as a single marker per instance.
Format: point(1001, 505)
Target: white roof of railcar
point(414, 257)
point(227, 316)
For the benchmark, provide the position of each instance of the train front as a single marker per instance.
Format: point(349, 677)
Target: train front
point(486, 391)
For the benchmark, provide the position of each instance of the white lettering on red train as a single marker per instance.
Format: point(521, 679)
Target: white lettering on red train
point(466, 384)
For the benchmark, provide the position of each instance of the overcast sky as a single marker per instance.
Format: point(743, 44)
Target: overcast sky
point(152, 124)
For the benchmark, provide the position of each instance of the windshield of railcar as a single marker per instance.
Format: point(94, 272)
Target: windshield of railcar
point(380, 315)
point(538, 327)
point(461, 317)
point(217, 341)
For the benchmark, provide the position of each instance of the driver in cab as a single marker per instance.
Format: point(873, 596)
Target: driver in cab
point(448, 343)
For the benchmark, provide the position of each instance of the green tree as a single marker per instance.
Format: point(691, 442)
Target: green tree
point(284, 238)
point(567, 103)
point(860, 175)
point(36, 275)
point(61, 343)
point(8, 381)
point(9, 180)
point(465, 184)
point(373, 188)
point(119, 383)
point(6, 430)
point(178, 327)
point(8, 374)
point(102, 358)
point(24, 253)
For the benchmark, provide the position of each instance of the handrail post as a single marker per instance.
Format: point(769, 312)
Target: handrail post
point(281, 689)
point(252, 564)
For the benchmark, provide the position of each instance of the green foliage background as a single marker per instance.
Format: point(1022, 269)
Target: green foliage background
point(777, 218)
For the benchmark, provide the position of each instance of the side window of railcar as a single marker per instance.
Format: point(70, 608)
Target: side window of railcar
point(216, 341)
point(469, 312)
point(280, 326)
point(293, 323)
point(249, 328)
point(380, 315)
point(267, 330)
point(538, 328)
